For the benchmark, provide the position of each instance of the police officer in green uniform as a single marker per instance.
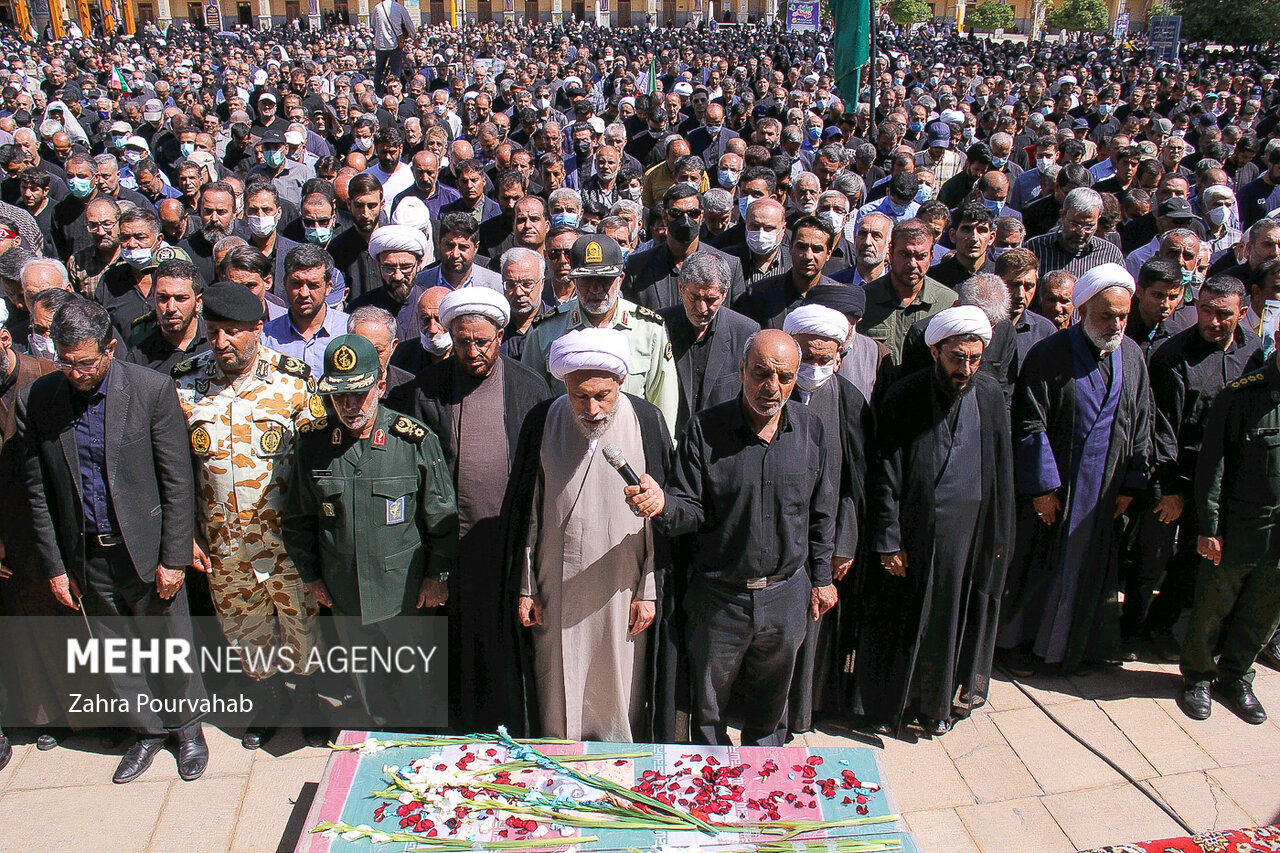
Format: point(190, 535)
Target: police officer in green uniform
point(1237, 597)
point(372, 525)
point(597, 278)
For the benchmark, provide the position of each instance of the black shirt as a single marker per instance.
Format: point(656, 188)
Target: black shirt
point(155, 352)
point(759, 509)
point(951, 272)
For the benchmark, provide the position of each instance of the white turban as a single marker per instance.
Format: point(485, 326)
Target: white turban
point(475, 300)
point(398, 238)
point(413, 212)
point(590, 349)
point(1099, 279)
point(627, 102)
point(958, 320)
point(817, 320)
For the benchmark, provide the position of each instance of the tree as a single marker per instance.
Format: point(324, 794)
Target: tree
point(908, 12)
point(991, 15)
point(1079, 16)
point(1228, 21)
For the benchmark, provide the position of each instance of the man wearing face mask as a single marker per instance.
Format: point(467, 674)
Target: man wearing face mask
point(709, 141)
point(770, 300)
point(899, 202)
point(652, 276)
point(847, 426)
point(1218, 204)
point(125, 289)
point(286, 175)
point(432, 344)
point(262, 219)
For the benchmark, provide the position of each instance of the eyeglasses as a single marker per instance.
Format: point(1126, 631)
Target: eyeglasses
point(974, 360)
point(558, 253)
point(314, 223)
point(84, 365)
point(392, 269)
point(101, 226)
point(524, 285)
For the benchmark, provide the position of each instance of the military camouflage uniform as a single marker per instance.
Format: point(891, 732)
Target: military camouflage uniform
point(242, 438)
point(653, 368)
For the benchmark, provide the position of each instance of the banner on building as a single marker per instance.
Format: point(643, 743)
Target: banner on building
point(213, 16)
point(1164, 33)
point(1122, 27)
point(803, 15)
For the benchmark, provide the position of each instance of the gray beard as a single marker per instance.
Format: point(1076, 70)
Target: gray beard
point(1105, 345)
point(595, 430)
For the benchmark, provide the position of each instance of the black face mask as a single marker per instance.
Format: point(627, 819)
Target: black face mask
point(683, 228)
point(582, 147)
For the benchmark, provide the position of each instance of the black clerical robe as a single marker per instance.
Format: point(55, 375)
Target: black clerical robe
point(482, 625)
point(940, 488)
point(661, 682)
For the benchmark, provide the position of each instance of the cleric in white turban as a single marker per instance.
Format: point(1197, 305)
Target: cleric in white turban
point(605, 350)
point(475, 300)
point(817, 320)
point(398, 238)
point(958, 320)
point(1099, 279)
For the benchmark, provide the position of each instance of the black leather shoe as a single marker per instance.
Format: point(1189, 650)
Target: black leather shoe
point(1195, 702)
point(137, 759)
point(193, 758)
point(256, 737)
point(49, 739)
point(1238, 695)
point(316, 736)
point(1166, 646)
point(1019, 664)
point(6, 751)
point(935, 728)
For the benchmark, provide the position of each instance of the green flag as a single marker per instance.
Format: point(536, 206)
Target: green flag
point(653, 76)
point(852, 46)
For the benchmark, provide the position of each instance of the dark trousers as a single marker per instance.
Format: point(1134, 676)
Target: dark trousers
point(397, 700)
point(120, 605)
point(749, 638)
point(1164, 559)
point(383, 58)
point(1236, 610)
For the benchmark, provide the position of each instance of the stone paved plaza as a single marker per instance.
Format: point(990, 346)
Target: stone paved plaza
point(1006, 780)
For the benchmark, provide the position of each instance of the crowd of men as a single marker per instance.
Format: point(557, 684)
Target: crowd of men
point(691, 394)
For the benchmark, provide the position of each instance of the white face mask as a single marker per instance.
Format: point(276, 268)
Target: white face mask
point(763, 242)
point(41, 346)
point(438, 344)
point(811, 377)
point(261, 226)
point(1219, 215)
point(833, 218)
point(362, 143)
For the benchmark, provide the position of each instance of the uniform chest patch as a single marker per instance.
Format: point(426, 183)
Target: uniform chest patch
point(395, 510)
point(271, 438)
point(200, 441)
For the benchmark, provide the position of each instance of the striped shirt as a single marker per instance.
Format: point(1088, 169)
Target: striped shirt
point(1053, 257)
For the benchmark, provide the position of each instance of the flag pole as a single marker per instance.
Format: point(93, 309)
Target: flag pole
point(873, 74)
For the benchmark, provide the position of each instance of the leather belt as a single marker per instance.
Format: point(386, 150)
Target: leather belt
point(765, 583)
point(105, 540)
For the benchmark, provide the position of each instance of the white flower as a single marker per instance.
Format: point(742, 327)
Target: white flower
point(379, 838)
point(405, 798)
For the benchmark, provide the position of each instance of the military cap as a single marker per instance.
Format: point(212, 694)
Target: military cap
point(350, 364)
point(228, 302)
point(595, 255)
point(844, 298)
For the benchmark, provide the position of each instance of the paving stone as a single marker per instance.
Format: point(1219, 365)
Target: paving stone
point(20, 753)
point(1201, 801)
point(1056, 761)
point(1256, 788)
point(207, 807)
point(940, 831)
point(276, 802)
point(1164, 743)
point(1110, 814)
point(1022, 825)
point(1229, 740)
point(78, 760)
point(1133, 680)
point(987, 763)
point(116, 818)
point(921, 776)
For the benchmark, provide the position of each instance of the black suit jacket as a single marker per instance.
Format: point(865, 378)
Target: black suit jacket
point(652, 280)
point(149, 471)
point(721, 381)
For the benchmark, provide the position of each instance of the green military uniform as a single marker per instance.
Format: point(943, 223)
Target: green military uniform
point(1237, 603)
point(372, 517)
point(653, 368)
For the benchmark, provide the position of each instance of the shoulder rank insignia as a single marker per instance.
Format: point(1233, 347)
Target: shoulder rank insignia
point(543, 317)
point(316, 406)
point(647, 313)
point(409, 429)
point(314, 426)
point(294, 367)
point(182, 368)
point(148, 317)
point(1251, 379)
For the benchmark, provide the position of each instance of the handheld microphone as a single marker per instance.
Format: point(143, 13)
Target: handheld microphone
point(614, 457)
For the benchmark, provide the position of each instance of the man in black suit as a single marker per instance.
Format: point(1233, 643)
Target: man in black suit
point(113, 513)
point(707, 338)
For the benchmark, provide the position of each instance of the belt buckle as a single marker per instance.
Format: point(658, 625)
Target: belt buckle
point(757, 583)
point(108, 540)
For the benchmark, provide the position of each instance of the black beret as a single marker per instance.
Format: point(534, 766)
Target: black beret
point(228, 302)
point(845, 298)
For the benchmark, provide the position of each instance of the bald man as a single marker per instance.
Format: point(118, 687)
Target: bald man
point(433, 344)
